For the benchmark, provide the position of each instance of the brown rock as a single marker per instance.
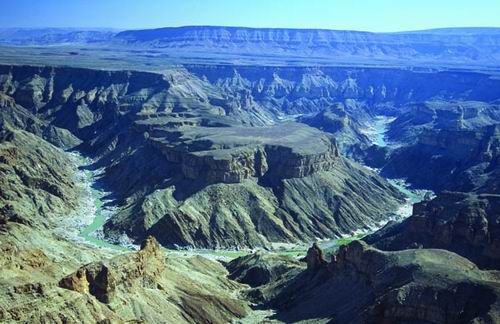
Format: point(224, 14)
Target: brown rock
point(314, 258)
point(101, 279)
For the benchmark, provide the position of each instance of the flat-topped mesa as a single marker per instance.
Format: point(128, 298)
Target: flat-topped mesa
point(241, 153)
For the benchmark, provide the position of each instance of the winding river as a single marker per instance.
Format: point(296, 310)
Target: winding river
point(85, 225)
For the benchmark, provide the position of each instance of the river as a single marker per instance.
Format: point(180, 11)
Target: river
point(85, 225)
point(377, 133)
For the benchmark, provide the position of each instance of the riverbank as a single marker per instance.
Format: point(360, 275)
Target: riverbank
point(85, 226)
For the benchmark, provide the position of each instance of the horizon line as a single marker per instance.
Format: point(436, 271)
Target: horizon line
point(256, 28)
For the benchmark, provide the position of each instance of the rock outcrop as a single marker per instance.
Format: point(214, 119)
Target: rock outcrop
point(365, 285)
point(465, 223)
point(102, 279)
point(314, 259)
point(233, 154)
point(138, 286)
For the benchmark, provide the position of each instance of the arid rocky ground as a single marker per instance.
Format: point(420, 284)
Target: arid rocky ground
point(242, 159)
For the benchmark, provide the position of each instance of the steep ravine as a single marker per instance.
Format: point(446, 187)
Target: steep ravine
point(87, 223)
point(377, 132)
point(179, 150)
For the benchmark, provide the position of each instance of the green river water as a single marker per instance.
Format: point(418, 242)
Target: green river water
point(100, 214)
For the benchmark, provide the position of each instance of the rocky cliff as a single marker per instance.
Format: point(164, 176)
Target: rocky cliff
point(362, 284)
point(53, 284)
point(447, 146)
point(160, 284)
point(233, 154)
point(464, 223)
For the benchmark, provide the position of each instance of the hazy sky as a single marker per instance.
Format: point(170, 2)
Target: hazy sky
point(370, 15)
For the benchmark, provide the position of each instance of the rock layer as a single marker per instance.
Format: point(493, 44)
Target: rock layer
point(365, 285)
point(448, 146)
point(464, 223)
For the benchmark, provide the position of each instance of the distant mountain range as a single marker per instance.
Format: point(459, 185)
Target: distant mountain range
point(452, 46)
point(55, 36)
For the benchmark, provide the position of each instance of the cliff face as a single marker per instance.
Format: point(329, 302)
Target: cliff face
point(274, 162)
point(466, 224)
point(362, 284)
point(149, 274)
point(103, 279)
point(233, 154)
point(447, 146)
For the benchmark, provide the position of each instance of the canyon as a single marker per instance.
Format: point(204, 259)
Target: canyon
point(188, 190)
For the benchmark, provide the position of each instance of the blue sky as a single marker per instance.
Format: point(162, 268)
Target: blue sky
point(370, 15)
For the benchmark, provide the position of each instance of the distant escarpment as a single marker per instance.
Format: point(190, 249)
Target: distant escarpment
point(161, 48)
point(465, 223)
point(441, 46)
